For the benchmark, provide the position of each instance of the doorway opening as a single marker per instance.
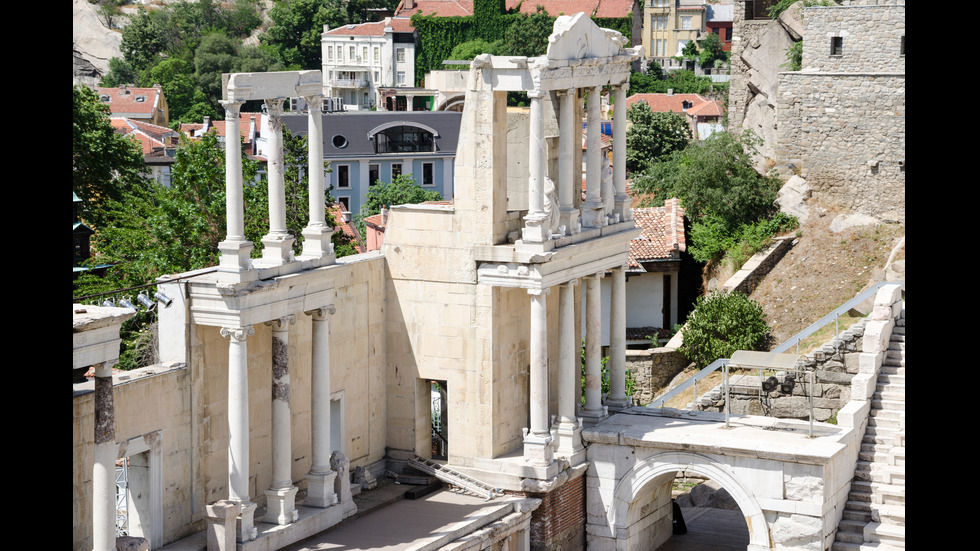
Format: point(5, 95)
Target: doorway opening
point(704, 516)
point(439, 416)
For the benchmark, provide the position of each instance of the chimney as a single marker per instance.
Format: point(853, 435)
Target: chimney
point(207, 124)
point(409, 4)
point(384, 217)
point(346, 216)
point(670, 91)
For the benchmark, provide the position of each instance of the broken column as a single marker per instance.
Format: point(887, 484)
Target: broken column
point(104, 465)
point(238, 429)
point(320, 480)
point(281, 495)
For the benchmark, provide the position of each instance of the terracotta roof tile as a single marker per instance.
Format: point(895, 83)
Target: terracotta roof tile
point(150, 136)
point(347, 228)
point(662, 235)
point(376, 28)
point(125, 99)
point(662, 103)
point(218, 126)
point(442, 8)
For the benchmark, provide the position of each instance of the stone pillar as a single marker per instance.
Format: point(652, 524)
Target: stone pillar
point(281, 495)
point(104, 463)
point(278, 244)
point(316, 242)
point(235, 249)
point(535, 228)
point(320, 480)
point(537, 441)
point(568, 173)
point(617, 399)
point(220, 517)
point(238, 428)
point(623, 202)
point(592, 213)
point(592, 411)
point(567, 428)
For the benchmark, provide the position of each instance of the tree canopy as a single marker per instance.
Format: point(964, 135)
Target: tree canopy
point(104, 164)
point(721, 324)
point(651, 135)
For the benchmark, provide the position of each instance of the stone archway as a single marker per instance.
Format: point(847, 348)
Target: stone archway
point(649, 470)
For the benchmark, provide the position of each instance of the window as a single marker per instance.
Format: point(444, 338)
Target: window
point(401, 78)
point(329, 53)
point(400, 55)
point(343, 176)
point(339, 141)
point(686, 22)
point(396, 170)
point(374, 174)
point(345, 203)
point(728, 34)
point(364, 55)
point(340, 53)
point(377, 77)
point(836, 45)
point(377, 54)
point(403, 139)
point(903, 45)
point(427, 175)
point(352, 53)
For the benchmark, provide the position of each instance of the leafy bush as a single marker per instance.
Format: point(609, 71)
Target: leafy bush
point(721, 324)
point(711, 240)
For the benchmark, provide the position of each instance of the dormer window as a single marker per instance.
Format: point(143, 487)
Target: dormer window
point(104, 98)
point(404, 139)
point(140, 99)
point(686, 105)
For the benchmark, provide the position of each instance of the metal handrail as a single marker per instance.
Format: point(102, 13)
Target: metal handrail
point(794, 340)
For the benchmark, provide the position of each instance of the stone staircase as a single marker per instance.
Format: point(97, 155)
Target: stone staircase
point(874, 516)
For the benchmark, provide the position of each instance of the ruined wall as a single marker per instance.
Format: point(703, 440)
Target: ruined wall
point(652, 371)
point(871, 38)
point(558, 523)
point(845, 134)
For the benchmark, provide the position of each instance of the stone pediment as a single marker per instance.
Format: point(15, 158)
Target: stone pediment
point(578, 37)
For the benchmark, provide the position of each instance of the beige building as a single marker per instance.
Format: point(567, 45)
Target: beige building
point(668, 26)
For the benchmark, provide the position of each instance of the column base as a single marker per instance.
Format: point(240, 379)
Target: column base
point(245, 529)
point(591, 417)
point(623, 207)
point(570, 219)
point(538, 449)
point(316, 242)
point(535, 229)
point(618, 404)
point(235, 264)
point(221, 517)
point(277, 250)
point(593, 215)
point(281, 506)
point(320, 490)
point(568, 442)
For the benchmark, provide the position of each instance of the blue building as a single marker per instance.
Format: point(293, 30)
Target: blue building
point(364, 147)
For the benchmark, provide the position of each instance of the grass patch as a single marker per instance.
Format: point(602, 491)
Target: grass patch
point(827, 332)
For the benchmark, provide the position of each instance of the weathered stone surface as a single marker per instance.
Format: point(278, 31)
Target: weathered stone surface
point(803, 488)
point(92, 44)
point(132, 543)
point(792, 198)
point(797, 532)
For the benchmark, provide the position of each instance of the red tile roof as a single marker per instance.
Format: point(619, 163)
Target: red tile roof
point(450, 8)
point(376, 28)
point(662, 103)
point(662, 237)
point(125, 99)
point(347, 228)
point(149, 136)
point(193, 129)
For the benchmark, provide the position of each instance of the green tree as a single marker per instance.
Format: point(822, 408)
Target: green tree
point(714, 177)
point(651, 136)
point(297, 26)
point(528, 35)
point(711, 51)
point(721, 324)
point(401, 191)
point(469, 50)
point(104, 163)
point(143, 40)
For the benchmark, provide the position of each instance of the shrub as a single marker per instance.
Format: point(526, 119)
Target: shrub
point(721, 324)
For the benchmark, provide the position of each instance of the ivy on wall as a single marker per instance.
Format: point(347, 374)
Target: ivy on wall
point(437, 36)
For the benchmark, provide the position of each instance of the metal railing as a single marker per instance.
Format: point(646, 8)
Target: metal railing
point(792, 341)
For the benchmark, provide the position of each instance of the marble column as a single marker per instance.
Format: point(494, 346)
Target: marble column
point(592, 213)
point(568, 173)
point(316, 235)
point(278, 244)
point(617, 399)
point(235, 249)
point(592, 411)
point(320, 480)
point(622, 200)
point(238, 461)
point(281, 495)
point(567, 428)
point(104, 463)
point(535, 227)
point(538, 449)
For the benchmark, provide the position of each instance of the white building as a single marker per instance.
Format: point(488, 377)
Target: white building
point(358, 59)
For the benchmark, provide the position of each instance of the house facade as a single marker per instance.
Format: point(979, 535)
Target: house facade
point(669, 25)
point(360, 59)
point(362, 148)
point(703, 115)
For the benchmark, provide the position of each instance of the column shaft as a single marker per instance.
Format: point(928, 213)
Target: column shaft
point(320, 482)
point(276, 170)
point(281, 495)
point(237, 412)
point(568, 354)
point(104, 463)
point(538, 448)
point(619, 155)
point(593, 348)
point(234, 201)
point(593, 215)
point(617, 341)
point(535, 230)
point(315, 142)
point(570, 138)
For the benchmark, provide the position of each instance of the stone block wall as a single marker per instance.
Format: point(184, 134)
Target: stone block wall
point(834, 365)
point(652, 371)
point(751, 273)
point(845, 133)
point(745, 36)
point(871, 38)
